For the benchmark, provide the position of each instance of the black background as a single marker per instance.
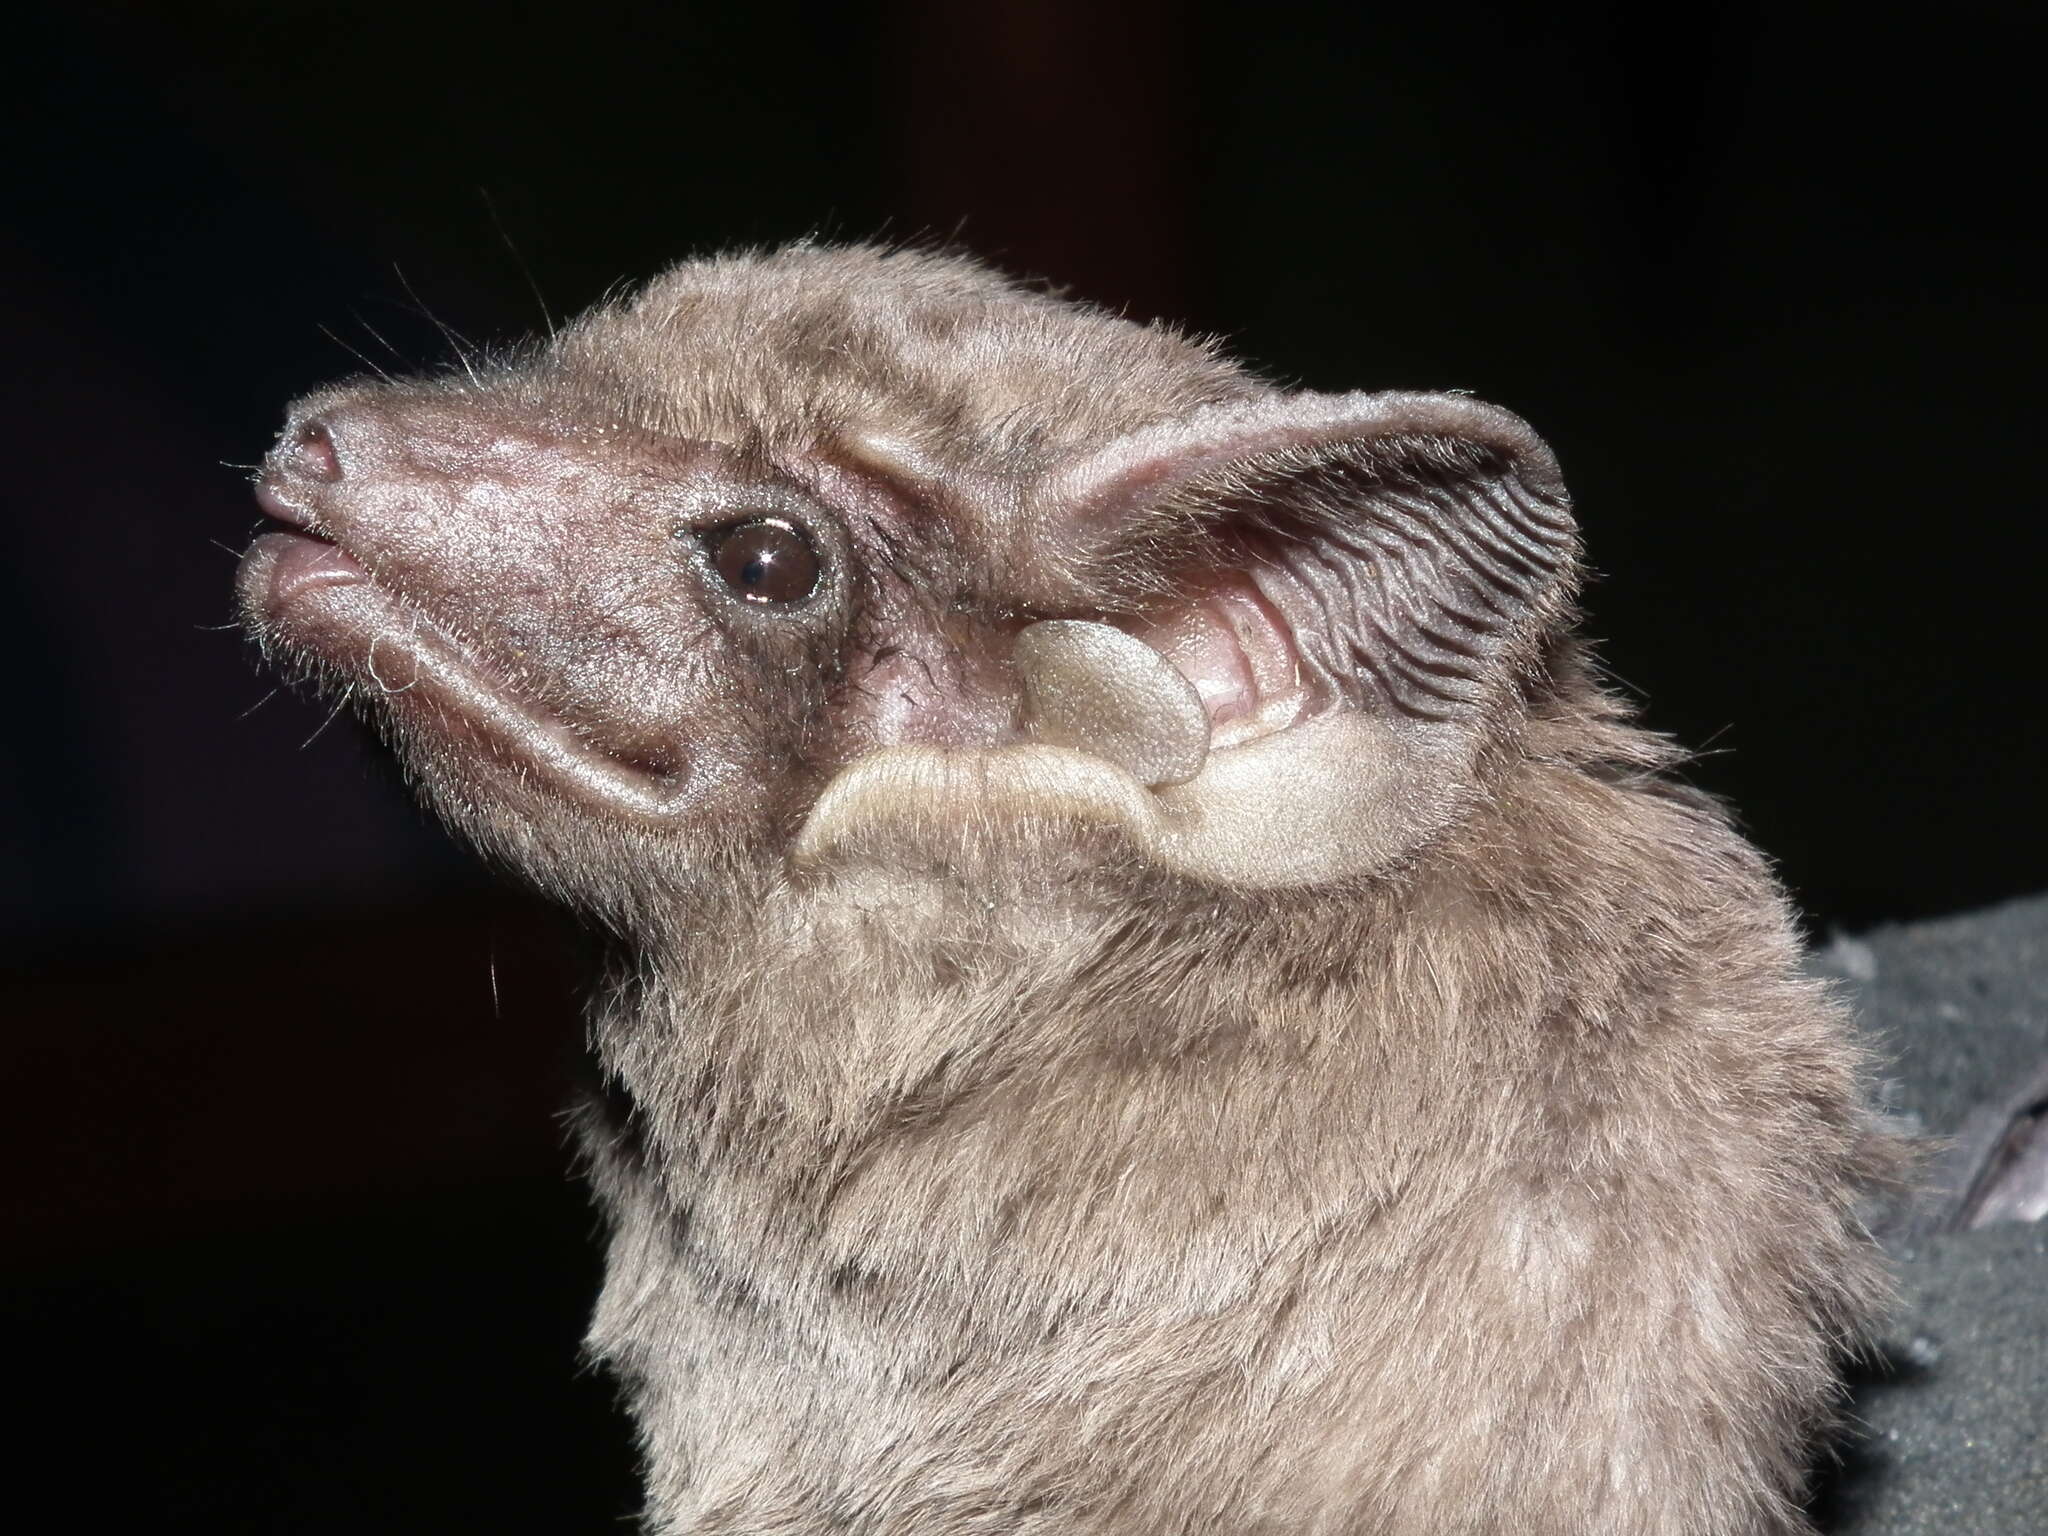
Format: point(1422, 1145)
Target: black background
point(290, 1239)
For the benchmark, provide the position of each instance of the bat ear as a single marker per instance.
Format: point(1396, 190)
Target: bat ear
point(1321, 609)
point(1418, 546)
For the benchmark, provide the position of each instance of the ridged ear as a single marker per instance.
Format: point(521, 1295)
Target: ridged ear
point(1418, 545)
point(1280, 634)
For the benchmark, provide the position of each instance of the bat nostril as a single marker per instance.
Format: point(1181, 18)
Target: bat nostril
point(309, 450)
point(304, 457)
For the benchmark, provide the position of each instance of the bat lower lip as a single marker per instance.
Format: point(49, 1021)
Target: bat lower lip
point(293, 564)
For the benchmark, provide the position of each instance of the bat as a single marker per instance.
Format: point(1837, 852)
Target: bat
point(1157, 992)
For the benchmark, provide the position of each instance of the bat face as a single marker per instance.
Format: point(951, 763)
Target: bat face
point(575, 632)
point(831, 556)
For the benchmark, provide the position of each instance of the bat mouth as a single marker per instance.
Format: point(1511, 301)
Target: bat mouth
point(297, 563)
point(306, 594)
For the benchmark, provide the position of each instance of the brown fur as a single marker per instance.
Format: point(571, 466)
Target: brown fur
point(984, 1166)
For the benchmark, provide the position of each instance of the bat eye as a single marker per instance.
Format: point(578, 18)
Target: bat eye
point(764, 560)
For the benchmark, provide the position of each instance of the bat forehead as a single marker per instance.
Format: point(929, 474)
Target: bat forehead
point(952, 368)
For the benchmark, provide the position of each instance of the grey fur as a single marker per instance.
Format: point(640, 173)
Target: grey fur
point(1413, 1122)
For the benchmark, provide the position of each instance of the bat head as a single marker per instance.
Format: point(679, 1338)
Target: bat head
point(833, 558)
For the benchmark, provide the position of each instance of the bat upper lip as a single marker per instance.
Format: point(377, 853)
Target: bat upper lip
point(276, 504)
point(318, 599)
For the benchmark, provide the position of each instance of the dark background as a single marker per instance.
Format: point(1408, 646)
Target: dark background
point(290, 1243)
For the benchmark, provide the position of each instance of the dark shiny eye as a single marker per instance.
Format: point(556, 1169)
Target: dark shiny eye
point(764, 561)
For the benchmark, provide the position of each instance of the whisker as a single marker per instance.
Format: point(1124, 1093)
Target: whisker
point(339, 704)
point(382, 341)
point(356, 352)
point(462, 348)
point(518, 261)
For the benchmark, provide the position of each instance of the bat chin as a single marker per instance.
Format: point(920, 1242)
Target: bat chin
point(312, 599)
